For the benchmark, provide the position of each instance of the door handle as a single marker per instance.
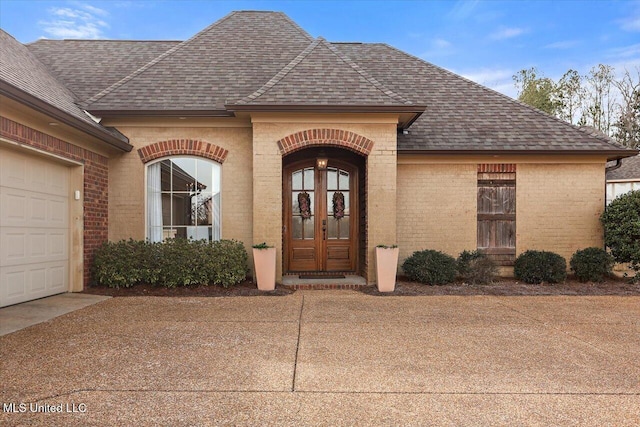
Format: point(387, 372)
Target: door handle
point(324, 229)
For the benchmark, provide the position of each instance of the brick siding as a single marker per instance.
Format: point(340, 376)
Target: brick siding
point(315, 137)
point(176, 147)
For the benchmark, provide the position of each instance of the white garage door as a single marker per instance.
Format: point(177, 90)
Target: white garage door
point(34, 227)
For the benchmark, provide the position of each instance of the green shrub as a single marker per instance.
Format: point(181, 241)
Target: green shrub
point(476, 267)
point(540, 266)
point(591, 264)
point(430, 267)
point(175, 262)
point(226, 263)
point(621, 221)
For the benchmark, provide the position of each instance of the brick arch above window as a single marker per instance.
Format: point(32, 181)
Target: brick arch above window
point(330, 137)
point(176, 147)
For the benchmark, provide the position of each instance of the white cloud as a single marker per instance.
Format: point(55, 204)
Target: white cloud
point(81, 22)
point(630, 24)
point(625, 51)
point(441, 43)
point(507, 33)
point(565, 44)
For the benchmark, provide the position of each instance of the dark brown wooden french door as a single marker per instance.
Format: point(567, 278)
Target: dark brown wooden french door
point(320, 217)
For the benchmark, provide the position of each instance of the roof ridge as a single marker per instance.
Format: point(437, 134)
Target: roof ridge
point(381, 87)
point(281, 74)
point(295, 24)
point(306, 52)
point(151, 63)
point(607, 139)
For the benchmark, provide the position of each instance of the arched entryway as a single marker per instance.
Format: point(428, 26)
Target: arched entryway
point(324, 211)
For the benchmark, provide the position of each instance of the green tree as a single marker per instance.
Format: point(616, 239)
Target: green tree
point(537, 91)
point(621, 221)
point(570, 95)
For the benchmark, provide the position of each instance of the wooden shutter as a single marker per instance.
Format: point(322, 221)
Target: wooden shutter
point(497, 212)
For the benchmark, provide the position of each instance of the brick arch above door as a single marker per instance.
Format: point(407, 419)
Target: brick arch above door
point(330, 137)
point(175, 147)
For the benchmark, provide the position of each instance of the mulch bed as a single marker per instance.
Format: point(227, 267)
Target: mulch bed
point(502, 287)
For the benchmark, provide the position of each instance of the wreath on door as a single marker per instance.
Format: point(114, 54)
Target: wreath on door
point(338, 205)
point(304, 205)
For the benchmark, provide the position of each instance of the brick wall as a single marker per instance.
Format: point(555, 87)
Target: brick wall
point(437, 208)
point(558, 207)
point(96, 182)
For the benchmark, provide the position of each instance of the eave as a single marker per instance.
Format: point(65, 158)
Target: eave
point(612, 154)
point(41, 106)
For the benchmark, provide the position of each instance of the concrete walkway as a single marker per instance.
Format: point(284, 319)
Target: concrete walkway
point(30, 313)
point(330, 358)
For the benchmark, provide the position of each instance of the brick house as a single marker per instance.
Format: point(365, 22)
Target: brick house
point(234, 132)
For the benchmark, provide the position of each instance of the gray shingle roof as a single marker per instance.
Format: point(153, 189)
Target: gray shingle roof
point(226, 61)
point(87, 67)
point(321, 75)
point(23, 75)
point(629, 171)
point(463, 115)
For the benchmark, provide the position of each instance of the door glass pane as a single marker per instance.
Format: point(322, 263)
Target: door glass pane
point(344, 227)
point(309, 230)
point(344, 180)
point(332, 179)
point(296, 180)
point(346, 202)
point(309, 183)
point(332, 227)
point(296, 227)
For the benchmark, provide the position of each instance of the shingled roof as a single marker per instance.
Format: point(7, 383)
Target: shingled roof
point(24, 78)
point(87, 67)
point(258, 60)
point(629, 171)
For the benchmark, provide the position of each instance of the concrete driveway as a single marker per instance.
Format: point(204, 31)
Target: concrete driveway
point(329, 358)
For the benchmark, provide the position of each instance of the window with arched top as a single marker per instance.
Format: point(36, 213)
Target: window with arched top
point(183, 199)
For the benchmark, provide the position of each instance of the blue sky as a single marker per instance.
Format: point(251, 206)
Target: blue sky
point(487, 41)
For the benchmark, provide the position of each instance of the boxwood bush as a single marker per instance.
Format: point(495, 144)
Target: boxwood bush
point(540, 266)
point(175, 262)
point(591, 264)
point(430, 267)
point(475, 267)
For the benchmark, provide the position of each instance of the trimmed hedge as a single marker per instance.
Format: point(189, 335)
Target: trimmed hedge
point(430, 267)
point(591, 264)
point(175, 262)
point(475, 267)
point(540, 266)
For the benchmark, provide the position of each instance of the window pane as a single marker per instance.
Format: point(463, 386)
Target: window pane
point(344, 180)
point(296, 180)
point(183, 174)
point(182, 209)
point(332, 179)
point(165, 167)
point(180, 232)
point(203, 207)
point(204, 176)
point(346, 202)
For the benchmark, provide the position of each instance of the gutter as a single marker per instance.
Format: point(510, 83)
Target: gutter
point(611, 154)
point(614, 167)
point(103, 134)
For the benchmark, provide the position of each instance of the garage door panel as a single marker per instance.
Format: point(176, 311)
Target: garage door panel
point(23, 283)
point(13, 170)
point(31, 246)
point(23, 209)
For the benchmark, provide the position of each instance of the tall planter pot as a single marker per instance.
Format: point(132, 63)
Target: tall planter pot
point(386, 268)
point(264, 262)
